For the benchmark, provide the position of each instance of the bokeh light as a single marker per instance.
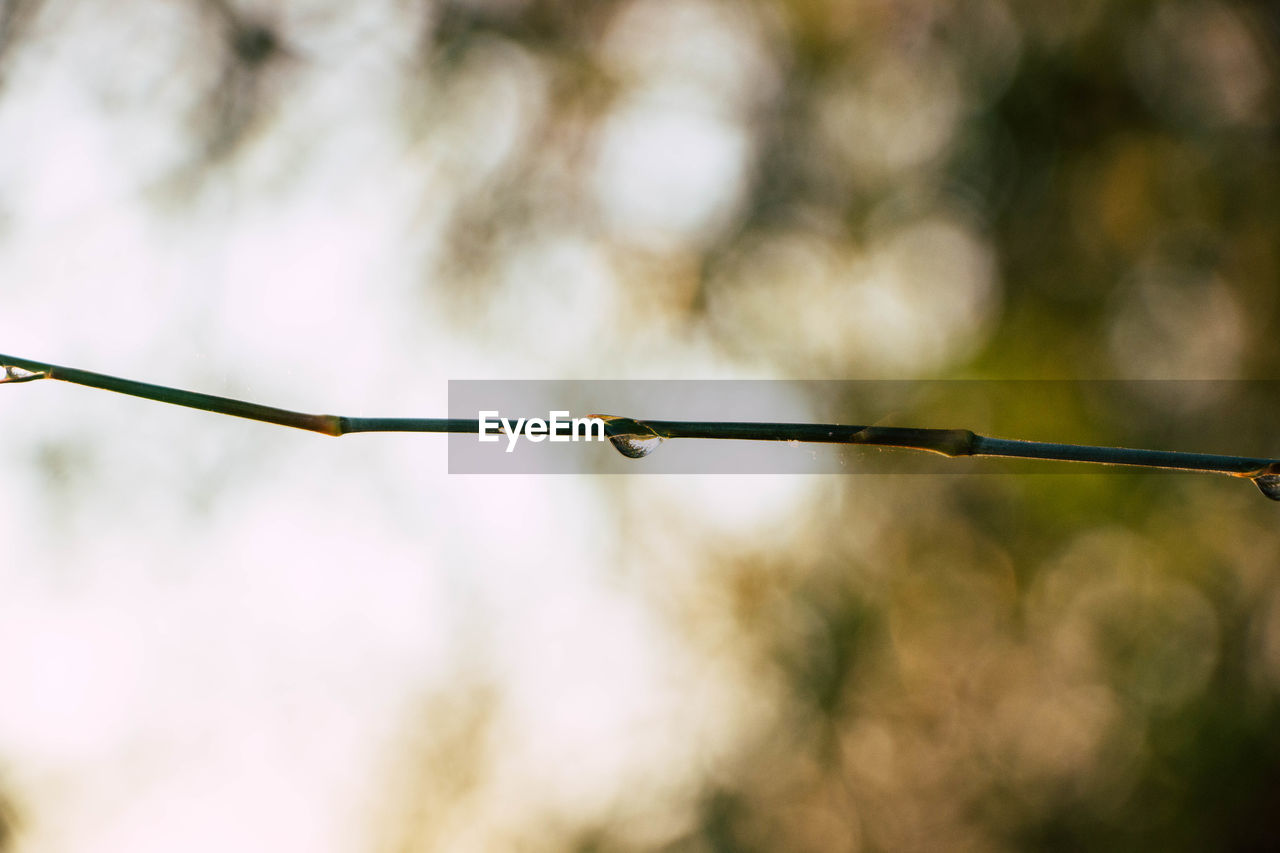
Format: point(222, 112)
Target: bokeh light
point(222, 635)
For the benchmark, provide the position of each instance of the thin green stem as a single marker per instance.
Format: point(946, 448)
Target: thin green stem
point(325, 424)
point(962, 442)
point(948, 442)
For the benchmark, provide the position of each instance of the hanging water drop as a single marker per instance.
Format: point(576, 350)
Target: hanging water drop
point(1269, 485)
point(13, 373)
point(639, 446)
point(631, 438)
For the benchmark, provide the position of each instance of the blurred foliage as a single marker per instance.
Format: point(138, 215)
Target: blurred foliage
point(823, 189)
point(1038, 663)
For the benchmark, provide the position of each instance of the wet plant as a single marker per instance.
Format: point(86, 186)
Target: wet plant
point(635, 438)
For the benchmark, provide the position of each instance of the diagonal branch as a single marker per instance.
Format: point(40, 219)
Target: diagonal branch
point(636, 438)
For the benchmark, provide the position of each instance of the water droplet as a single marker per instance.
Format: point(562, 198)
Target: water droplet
point(13, 373)
point(636, 446)
point(631, 438)
point(1269, 485)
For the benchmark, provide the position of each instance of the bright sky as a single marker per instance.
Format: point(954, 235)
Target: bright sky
point(217, 635)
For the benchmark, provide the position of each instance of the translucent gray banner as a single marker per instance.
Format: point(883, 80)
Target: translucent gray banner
point(1199, 416)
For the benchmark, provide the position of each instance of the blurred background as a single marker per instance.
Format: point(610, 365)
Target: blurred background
point(222, 635)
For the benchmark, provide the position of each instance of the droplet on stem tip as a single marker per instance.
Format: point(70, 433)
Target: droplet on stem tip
point(13, 373)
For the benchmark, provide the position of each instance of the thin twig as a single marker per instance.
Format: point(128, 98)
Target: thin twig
point(628, 434)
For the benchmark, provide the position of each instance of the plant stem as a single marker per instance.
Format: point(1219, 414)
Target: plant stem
point(948, 442)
